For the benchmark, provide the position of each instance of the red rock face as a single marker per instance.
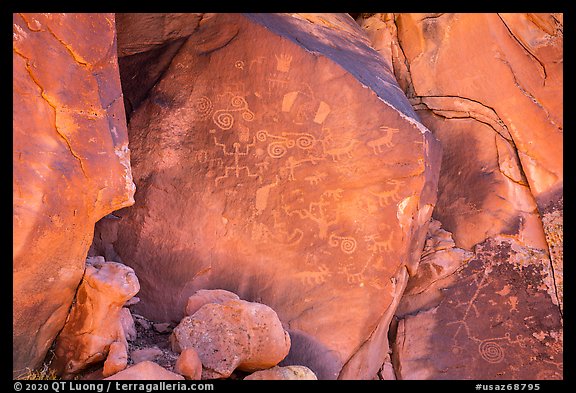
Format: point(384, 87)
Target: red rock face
point(493, 319)
point(507, 86)
point(71, 164)
point(293, 177)
point(495, 106)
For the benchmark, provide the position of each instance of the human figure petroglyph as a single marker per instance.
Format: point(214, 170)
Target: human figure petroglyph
point(386, 140)
point(292, 163)
point(236, 153)
point(386, 197)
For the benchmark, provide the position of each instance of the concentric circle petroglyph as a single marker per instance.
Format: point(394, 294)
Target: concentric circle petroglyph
point(491, 351)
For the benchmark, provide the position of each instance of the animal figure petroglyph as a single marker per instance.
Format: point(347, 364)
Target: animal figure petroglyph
point(377, 245)
point(337, 152)
point(385, 140)
point(386, 197)
point(316, 178)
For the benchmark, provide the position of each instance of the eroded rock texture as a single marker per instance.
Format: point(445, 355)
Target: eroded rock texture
point(493, 319)
point(71, 165)
point(230, 335)
point(95, 320)
point(496, 107)
point(297, 176)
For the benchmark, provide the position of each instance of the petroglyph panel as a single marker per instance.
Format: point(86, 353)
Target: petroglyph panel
point(283, 169)
point(496, 320)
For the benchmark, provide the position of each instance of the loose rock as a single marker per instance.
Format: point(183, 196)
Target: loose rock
point(146, 371)
point(283, 373)
point(145, 354)
point(95, 319)
point(204, 296)
point(236, 334)
point(117, 359)
point(189, 364)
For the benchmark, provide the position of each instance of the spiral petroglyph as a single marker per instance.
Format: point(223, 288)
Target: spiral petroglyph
point(276, 149)
point(347, 244)
point(223, 120)
point(203, 107)
point(491, 351)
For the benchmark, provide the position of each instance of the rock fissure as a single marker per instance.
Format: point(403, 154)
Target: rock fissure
point(528, 51)
point(56, 110)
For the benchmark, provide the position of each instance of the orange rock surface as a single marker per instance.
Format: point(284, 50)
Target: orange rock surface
point(71, 164)
point(297, 178)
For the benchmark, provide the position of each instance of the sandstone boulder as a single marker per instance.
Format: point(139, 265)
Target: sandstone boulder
point(146, 371)
point(205, 296)
point(70, 164)
point(236, 334)
point(117, 359)
point(94, 322)
point(128, 325)
point(145, 354)
point(300, 177)
point(286, 373)
point(189, 364)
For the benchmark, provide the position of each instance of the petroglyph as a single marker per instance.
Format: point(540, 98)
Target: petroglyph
point(236, 153)
point(224, 119)
point(202, 106)
point(324, 212)
point(336, 153)
point(292, 164)
point(262, 195)
point(346, 244)
point(491, 351)
point(388, 196)
point(386, 140)
point(316, 178)
point(283, 62)
point(322, 112)
point(376, 245)
point(257, 62)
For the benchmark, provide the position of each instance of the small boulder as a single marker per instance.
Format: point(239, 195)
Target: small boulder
point(94, 322)
point(117, 359)
point(205, 296)
point(145, 354)
point(148, 371)
point(283, 373)
point(236, 334)
point(189, 364)
point(128, 324)
point(162, 327)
